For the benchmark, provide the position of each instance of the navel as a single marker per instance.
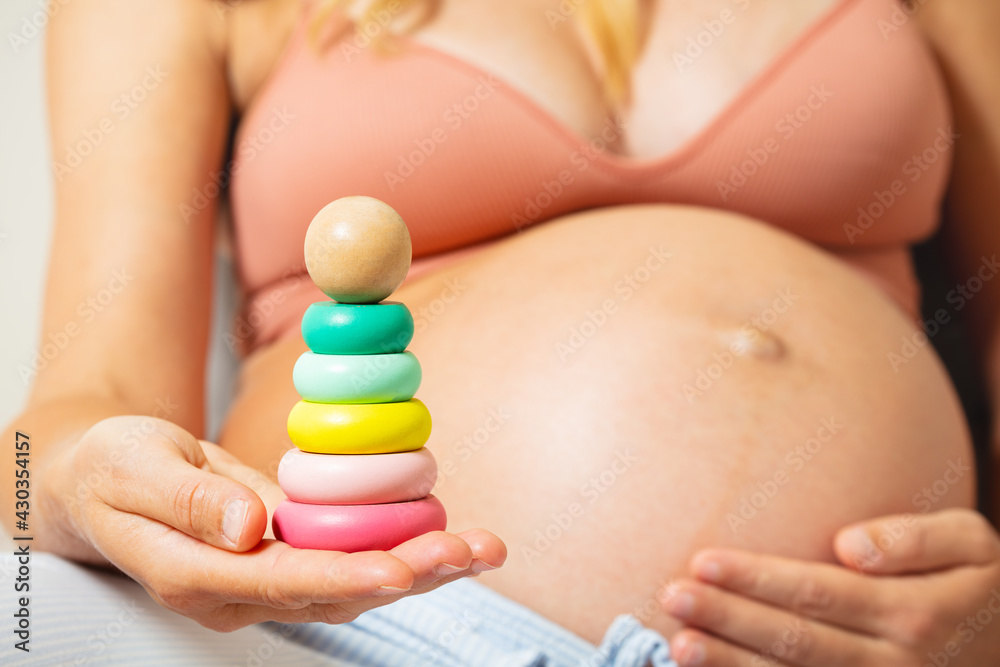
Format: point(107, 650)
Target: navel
point(750, 341)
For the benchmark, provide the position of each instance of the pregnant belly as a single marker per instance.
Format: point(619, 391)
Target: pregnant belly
point(616, 389)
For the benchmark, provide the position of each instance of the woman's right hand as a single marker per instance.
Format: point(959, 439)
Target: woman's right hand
point(169, 511)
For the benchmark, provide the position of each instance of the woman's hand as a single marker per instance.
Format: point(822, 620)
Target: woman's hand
point(921, 591)
point(167, 509)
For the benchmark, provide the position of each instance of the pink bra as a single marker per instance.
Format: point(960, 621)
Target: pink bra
point(843, 140)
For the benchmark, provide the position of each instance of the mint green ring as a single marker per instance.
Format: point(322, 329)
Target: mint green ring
point(329, 327)
point(356, 378)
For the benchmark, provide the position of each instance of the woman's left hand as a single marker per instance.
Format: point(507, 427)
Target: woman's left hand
point(917, 591)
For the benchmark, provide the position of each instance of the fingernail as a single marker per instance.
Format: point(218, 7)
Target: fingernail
point(234, 516)
point(444, 569)
point(692, 654)
point(708, 570)
point(860, 544)
point(680, 605)
point(390, 590)
point(479, 566)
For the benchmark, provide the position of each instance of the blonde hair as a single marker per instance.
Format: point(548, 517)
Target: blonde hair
point(611, 25)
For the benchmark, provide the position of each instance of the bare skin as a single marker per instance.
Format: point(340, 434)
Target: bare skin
point(695, 460)
point(682, 465)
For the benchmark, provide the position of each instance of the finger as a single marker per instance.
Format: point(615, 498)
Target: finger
point(434, 555)
point(274, 582)
point(172, 482)
point(827, 593)
point(226, 464)
point(488, 551)
point(690, 647)
point(266, 488)
point(768, 631)
point(915, 544)
point(288, 578)
point(185, 572)
point(279, 577)
point(439, 554)
point(239, 615)
point(273, 574)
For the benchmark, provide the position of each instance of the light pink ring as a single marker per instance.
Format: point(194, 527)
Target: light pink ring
point(356, 527)
point(356, 479)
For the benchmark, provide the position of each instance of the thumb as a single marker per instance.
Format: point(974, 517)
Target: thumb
point(224, 463)
point(907, 543)
point(175, 485)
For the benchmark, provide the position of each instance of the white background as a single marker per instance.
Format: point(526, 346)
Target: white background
point(26, 219)
point(25, 200)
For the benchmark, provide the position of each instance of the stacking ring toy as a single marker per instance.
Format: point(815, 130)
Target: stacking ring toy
point(325, 479)
point(346, 328)
point(356, 527)
point(363, 428)
point(356, 378)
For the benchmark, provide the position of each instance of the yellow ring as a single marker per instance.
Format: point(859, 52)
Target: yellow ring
point(361, 428)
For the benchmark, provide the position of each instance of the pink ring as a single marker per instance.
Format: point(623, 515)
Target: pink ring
point(356, 479)
point(353, 528)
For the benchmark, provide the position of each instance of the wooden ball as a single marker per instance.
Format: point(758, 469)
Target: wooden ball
point(357, 250)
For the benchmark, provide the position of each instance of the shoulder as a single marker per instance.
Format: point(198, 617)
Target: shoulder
point(240, 40)
point(107, 26)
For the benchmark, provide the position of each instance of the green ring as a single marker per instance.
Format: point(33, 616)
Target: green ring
point(329, 327)
point(356, 378)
